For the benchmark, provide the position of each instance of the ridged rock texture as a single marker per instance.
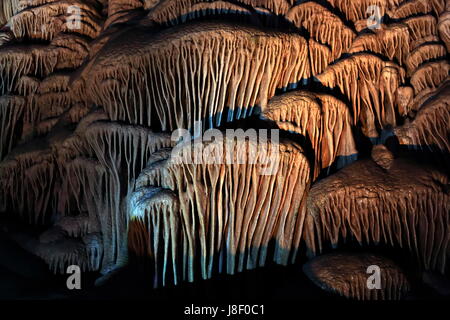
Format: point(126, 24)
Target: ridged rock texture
point(230, 208)
point(92, 92)
point(383, 201)
point(325, 120)
point(429, 129)
point(346, 274)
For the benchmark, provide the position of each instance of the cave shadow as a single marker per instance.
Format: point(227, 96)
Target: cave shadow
point(270, 282)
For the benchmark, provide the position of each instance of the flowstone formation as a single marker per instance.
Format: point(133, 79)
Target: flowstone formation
point(94, 95)
point(384, 200)
point(194, 212)
point(346, 274)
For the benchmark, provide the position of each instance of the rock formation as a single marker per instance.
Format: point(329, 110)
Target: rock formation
point(184, 213)
point(94, 92)
point(382, 201)
point(346, 275)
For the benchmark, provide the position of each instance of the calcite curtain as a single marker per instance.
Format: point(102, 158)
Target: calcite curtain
point(92, 91)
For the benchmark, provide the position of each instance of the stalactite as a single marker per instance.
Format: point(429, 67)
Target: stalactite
point(37, 164)
point(320, 56)
point(120, 11)
point(11, 111)
point(62, 253)
point(69, 45)
point(155, 230)
point(430, 75)
point(78, 111)
point(325, 120)
point(216, 67)
point(8, 8)
point(94, 250)
point(404, 100)
point(444, 28)
point(429, 39)
point(93, 175)
point(27, 86)
point(33, 165)
point(38, 173)
point(424, 53)
point(355, 10)
point(174, 12)
point(59, 250)
point(123, 151)
point(155, 171)
point(6, 36)
point(45, 22)
point(19, 60)
point(391, 41)
point(170, 9)
point(357, 77)
point(54, 98)
point(360, 26)
point(419, 100)
point(66, 51)
point(25, 4)
point(279, 7)
point(82, 224)
point(346, 274)
point(324, 26)
point(83, 183)
point(25, 64)
point(228, 210)
point(421, 27)
point(429, 129)
point(47, 102)
point(417, 7)
point(406, 206)
point(85, 186)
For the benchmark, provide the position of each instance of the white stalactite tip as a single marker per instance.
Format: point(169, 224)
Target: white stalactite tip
point(186, 216)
